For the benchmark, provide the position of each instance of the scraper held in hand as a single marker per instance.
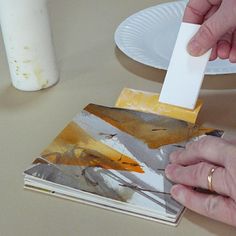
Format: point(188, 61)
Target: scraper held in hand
point(185, 73)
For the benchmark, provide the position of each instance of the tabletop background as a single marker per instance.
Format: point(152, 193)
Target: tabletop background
point(92, 70)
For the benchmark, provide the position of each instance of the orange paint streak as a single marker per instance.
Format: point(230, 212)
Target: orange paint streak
point(73, 146)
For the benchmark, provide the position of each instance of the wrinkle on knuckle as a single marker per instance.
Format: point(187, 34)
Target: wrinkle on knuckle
point(194, 10)
point(206, 32)
point(198, 172)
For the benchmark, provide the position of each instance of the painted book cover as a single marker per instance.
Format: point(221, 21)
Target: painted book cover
point(115, 158)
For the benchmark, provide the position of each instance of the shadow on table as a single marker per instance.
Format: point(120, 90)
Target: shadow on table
point(218, 110)
point(141, 70)
point(214, 82)
point(11, 98)
point(212, 226)
point(219, 82)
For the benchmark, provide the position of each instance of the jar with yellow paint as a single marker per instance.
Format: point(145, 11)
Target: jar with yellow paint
point(29, 47)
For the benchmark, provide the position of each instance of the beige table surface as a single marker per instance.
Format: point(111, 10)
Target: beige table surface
point(92, 70)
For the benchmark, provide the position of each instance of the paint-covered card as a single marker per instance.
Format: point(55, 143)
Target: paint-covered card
point(115, 158)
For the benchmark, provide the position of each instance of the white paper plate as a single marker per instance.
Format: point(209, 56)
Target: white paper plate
point(149, 37)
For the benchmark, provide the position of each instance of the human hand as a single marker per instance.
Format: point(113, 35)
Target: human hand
point(218, 19)
point(190, 168)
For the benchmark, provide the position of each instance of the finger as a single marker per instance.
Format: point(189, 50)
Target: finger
point(211, 12)
point(213, 206)
point(210, 149)
point(197, 175)
point(232, 55)
point(210, 32)
point(213, 54)
point(196, 10)
point(207, 16)
point(224, 46)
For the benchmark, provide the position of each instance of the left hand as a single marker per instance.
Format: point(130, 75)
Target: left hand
point(190, 168)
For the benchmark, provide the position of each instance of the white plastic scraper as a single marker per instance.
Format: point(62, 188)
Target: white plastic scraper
point(185, 73)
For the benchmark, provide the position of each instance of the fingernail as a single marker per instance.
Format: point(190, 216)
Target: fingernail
point(177, 193)
point(174, 190)
point(194, 48)
point(173, 156)
point(168, 171)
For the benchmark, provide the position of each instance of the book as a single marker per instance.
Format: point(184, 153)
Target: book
point(115, 158)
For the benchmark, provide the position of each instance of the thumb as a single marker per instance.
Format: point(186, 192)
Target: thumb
point(211, 31)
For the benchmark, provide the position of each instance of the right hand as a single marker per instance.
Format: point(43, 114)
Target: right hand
point(190, 168)
point(218, 30)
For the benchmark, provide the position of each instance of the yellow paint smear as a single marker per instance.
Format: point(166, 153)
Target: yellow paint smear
point(149, 102)
point(39, 77)
point(73, 146)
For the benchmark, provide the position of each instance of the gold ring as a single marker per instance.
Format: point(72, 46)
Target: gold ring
point(209, 178)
